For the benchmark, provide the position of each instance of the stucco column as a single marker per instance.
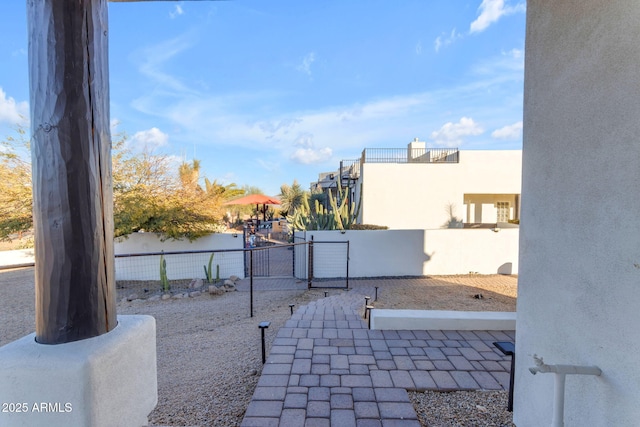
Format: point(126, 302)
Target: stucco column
point(579, 280)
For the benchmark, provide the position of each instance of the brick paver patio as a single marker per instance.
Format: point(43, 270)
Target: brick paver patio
point(326, 368)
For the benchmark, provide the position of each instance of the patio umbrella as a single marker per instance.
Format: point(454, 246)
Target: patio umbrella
point(256, 199)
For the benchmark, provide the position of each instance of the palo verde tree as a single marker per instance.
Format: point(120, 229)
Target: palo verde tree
point(16, 198)
point(151, 192)
point(149, 196)
point(16, 203)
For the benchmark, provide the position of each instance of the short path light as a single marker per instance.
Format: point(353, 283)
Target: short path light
point(509, 349)
point(291, 308)
point(325, 293)
point(263, 326)
point(368, 309)
point(376, 299)
point(366, 303)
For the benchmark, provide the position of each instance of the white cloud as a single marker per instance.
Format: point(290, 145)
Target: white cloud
point(229, 120)
point(491, 11)
point(304, 140)
point(12, 112)
point(446, 39)
point(269, 166)
point(419, 48)
point(20, 52)
point(176, 12)
point(305, 65)
point(307, 156)
point(509, 65)
point(511, 132)
point(152, 60)
point(151, 138)
point(306, 153)
point(451, 134)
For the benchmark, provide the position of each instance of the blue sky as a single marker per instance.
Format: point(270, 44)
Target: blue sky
point(267, 91)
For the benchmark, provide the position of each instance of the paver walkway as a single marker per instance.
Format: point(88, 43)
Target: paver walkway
point(326, 368)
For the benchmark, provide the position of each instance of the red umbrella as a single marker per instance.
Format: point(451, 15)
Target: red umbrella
point(256, 199)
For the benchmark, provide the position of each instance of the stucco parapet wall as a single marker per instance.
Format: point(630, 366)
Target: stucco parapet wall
point(388, 319)
point(109, 380)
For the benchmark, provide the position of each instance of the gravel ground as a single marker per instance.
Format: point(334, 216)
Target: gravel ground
point(209, 359)
point(462, 408)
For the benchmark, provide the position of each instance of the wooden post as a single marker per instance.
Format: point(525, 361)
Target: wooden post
point(71, 161)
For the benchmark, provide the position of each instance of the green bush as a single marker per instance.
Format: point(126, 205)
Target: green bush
point(368, 227)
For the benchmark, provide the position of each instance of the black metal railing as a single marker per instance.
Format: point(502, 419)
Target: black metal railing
point(410, 155)
point(350, 169)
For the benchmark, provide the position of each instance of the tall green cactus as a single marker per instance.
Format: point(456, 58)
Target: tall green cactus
point(345, 214)
point(300, 219)
point(163, 274)
point(207, 269)
point(337, 217)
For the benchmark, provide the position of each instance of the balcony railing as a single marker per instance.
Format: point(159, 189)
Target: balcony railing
point(410, 155)
point(350, 169)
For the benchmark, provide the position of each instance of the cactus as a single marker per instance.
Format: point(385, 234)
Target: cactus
point(337, 217)
point(300, 220)
point(207, 270)
point(163, 274)
point(217, 273)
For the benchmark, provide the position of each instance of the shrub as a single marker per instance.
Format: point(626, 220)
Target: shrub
point(368, 227)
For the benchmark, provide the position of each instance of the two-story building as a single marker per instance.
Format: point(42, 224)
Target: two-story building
point(427, 188)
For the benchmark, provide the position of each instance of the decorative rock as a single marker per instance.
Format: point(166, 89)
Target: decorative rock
point(154, 298)
point(234, 278)
point(166, 296)
point(194, 294)
point(132, 297)
point(196, 284)
point(229, 282)
point(229, 287)
point(178, 296)
point(214, 290)
point(253, 372)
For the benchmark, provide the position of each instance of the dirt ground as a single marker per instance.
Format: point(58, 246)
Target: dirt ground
point(461, 293)
point(458, 292)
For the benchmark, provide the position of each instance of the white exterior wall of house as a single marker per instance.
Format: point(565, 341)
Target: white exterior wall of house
point(418, 195)
point(579, 282)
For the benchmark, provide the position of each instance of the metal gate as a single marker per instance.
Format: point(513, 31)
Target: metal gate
point(327, 262)
point(322, 264)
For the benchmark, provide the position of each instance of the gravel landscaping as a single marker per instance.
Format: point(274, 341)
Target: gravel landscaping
point(209, 358)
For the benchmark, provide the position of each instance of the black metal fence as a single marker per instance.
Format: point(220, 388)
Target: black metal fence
point(296, 266)
point(179, 266)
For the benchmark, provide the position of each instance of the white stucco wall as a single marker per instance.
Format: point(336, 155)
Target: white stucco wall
point(423, 252)
point(137, 243)
point(183, 266)
point(418, 195)
point(578, 293)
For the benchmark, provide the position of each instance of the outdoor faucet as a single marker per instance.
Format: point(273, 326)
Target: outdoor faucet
point(561, 371)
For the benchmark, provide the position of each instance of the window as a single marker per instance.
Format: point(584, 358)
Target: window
point(503, 211)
